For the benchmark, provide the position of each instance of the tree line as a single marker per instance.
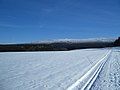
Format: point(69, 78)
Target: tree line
point(57, 46)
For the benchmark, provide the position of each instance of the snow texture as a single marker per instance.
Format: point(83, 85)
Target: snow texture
point(97, 69)
point(109, 77)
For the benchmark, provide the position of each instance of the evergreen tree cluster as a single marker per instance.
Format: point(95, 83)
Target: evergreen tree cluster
point(117, 42)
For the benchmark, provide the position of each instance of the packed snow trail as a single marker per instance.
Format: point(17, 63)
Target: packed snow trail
point(86, 81)
point(46, 70)
point(109, 77)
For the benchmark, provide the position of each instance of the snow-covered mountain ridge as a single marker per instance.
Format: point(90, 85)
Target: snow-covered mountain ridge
point(77, 40)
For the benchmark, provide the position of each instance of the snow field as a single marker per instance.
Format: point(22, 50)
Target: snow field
point(46, 70)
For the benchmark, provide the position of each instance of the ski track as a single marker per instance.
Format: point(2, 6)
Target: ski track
point(109, 77)
point(86, 69)
point(86, 81)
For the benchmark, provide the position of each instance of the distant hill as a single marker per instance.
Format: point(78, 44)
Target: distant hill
point(76, 40)
point(59, 45)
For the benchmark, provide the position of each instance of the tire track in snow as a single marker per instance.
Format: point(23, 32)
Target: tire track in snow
point(86, 81)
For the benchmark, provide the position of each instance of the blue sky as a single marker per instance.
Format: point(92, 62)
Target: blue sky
point(33, 20)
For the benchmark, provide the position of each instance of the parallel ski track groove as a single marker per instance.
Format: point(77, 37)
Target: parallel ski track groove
point(96, 69)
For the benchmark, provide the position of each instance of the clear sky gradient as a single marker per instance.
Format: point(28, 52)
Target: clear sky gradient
point(33, 20)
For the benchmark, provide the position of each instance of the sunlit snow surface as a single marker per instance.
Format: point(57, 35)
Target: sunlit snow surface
point(109, 77)
point(51, 70)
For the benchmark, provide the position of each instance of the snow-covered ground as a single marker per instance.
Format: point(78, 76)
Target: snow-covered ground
point(58, 70)
point(109, 77)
